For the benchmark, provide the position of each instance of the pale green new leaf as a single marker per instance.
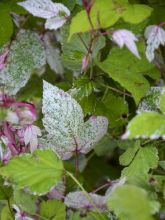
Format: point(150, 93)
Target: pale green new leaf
point(145, 159)
point(146, 125)
point(37, 172)
point(130, 203)
point(106, 13)
point(53, 209)
point(136, 13)
point(26, 54)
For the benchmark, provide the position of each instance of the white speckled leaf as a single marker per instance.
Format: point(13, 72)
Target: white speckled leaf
point(162, 101)
point(155, 36)
point(94, 129)
point(151, 101)
point(63, 120)
point(55, 13)
point(26, 54)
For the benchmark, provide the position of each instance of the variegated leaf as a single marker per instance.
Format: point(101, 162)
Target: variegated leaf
point(155, 36)
point(55, 13)
point(124, 37)
point(63, 120)
point(26, 54)
point(94, 129)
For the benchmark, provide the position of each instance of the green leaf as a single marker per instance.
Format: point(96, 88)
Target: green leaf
point(25, 201)
point(130, 71)
point(106, 13)
point(146, 125)
point(38, 172)
point(84, 87)
point(105, 146)
point(126, 158)
point(116, 111)
point(136, 13)
point(53, 209)
point(145, 159)
point(68, 3)
point(6, 24)
point(5, 191)
point(6, 214)
point(75, 50)
point(130, 203)
point(89, 216)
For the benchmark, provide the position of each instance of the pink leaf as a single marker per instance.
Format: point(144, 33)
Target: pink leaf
point(124, 37)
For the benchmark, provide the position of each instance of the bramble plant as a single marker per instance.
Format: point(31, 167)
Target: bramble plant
point(82, 100)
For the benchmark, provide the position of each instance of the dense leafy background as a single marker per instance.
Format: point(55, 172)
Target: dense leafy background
point(98, 120)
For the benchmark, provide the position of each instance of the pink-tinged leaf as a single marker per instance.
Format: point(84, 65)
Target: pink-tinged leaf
point(155, 36)
point(78, 200)
point(85, 62)
point(57, 192)
point(31, 133)
point(94, 129)
point(20, 215)
point(3, 59)
point(124, 37)
point(55, 13)
point(55, 23)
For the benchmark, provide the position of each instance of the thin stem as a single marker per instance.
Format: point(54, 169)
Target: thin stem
point(8, 202)
point(41, 217)
point(82, 40)
point(102, 187)
point(77, 162)
point(117, 90)
point(85, 193)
